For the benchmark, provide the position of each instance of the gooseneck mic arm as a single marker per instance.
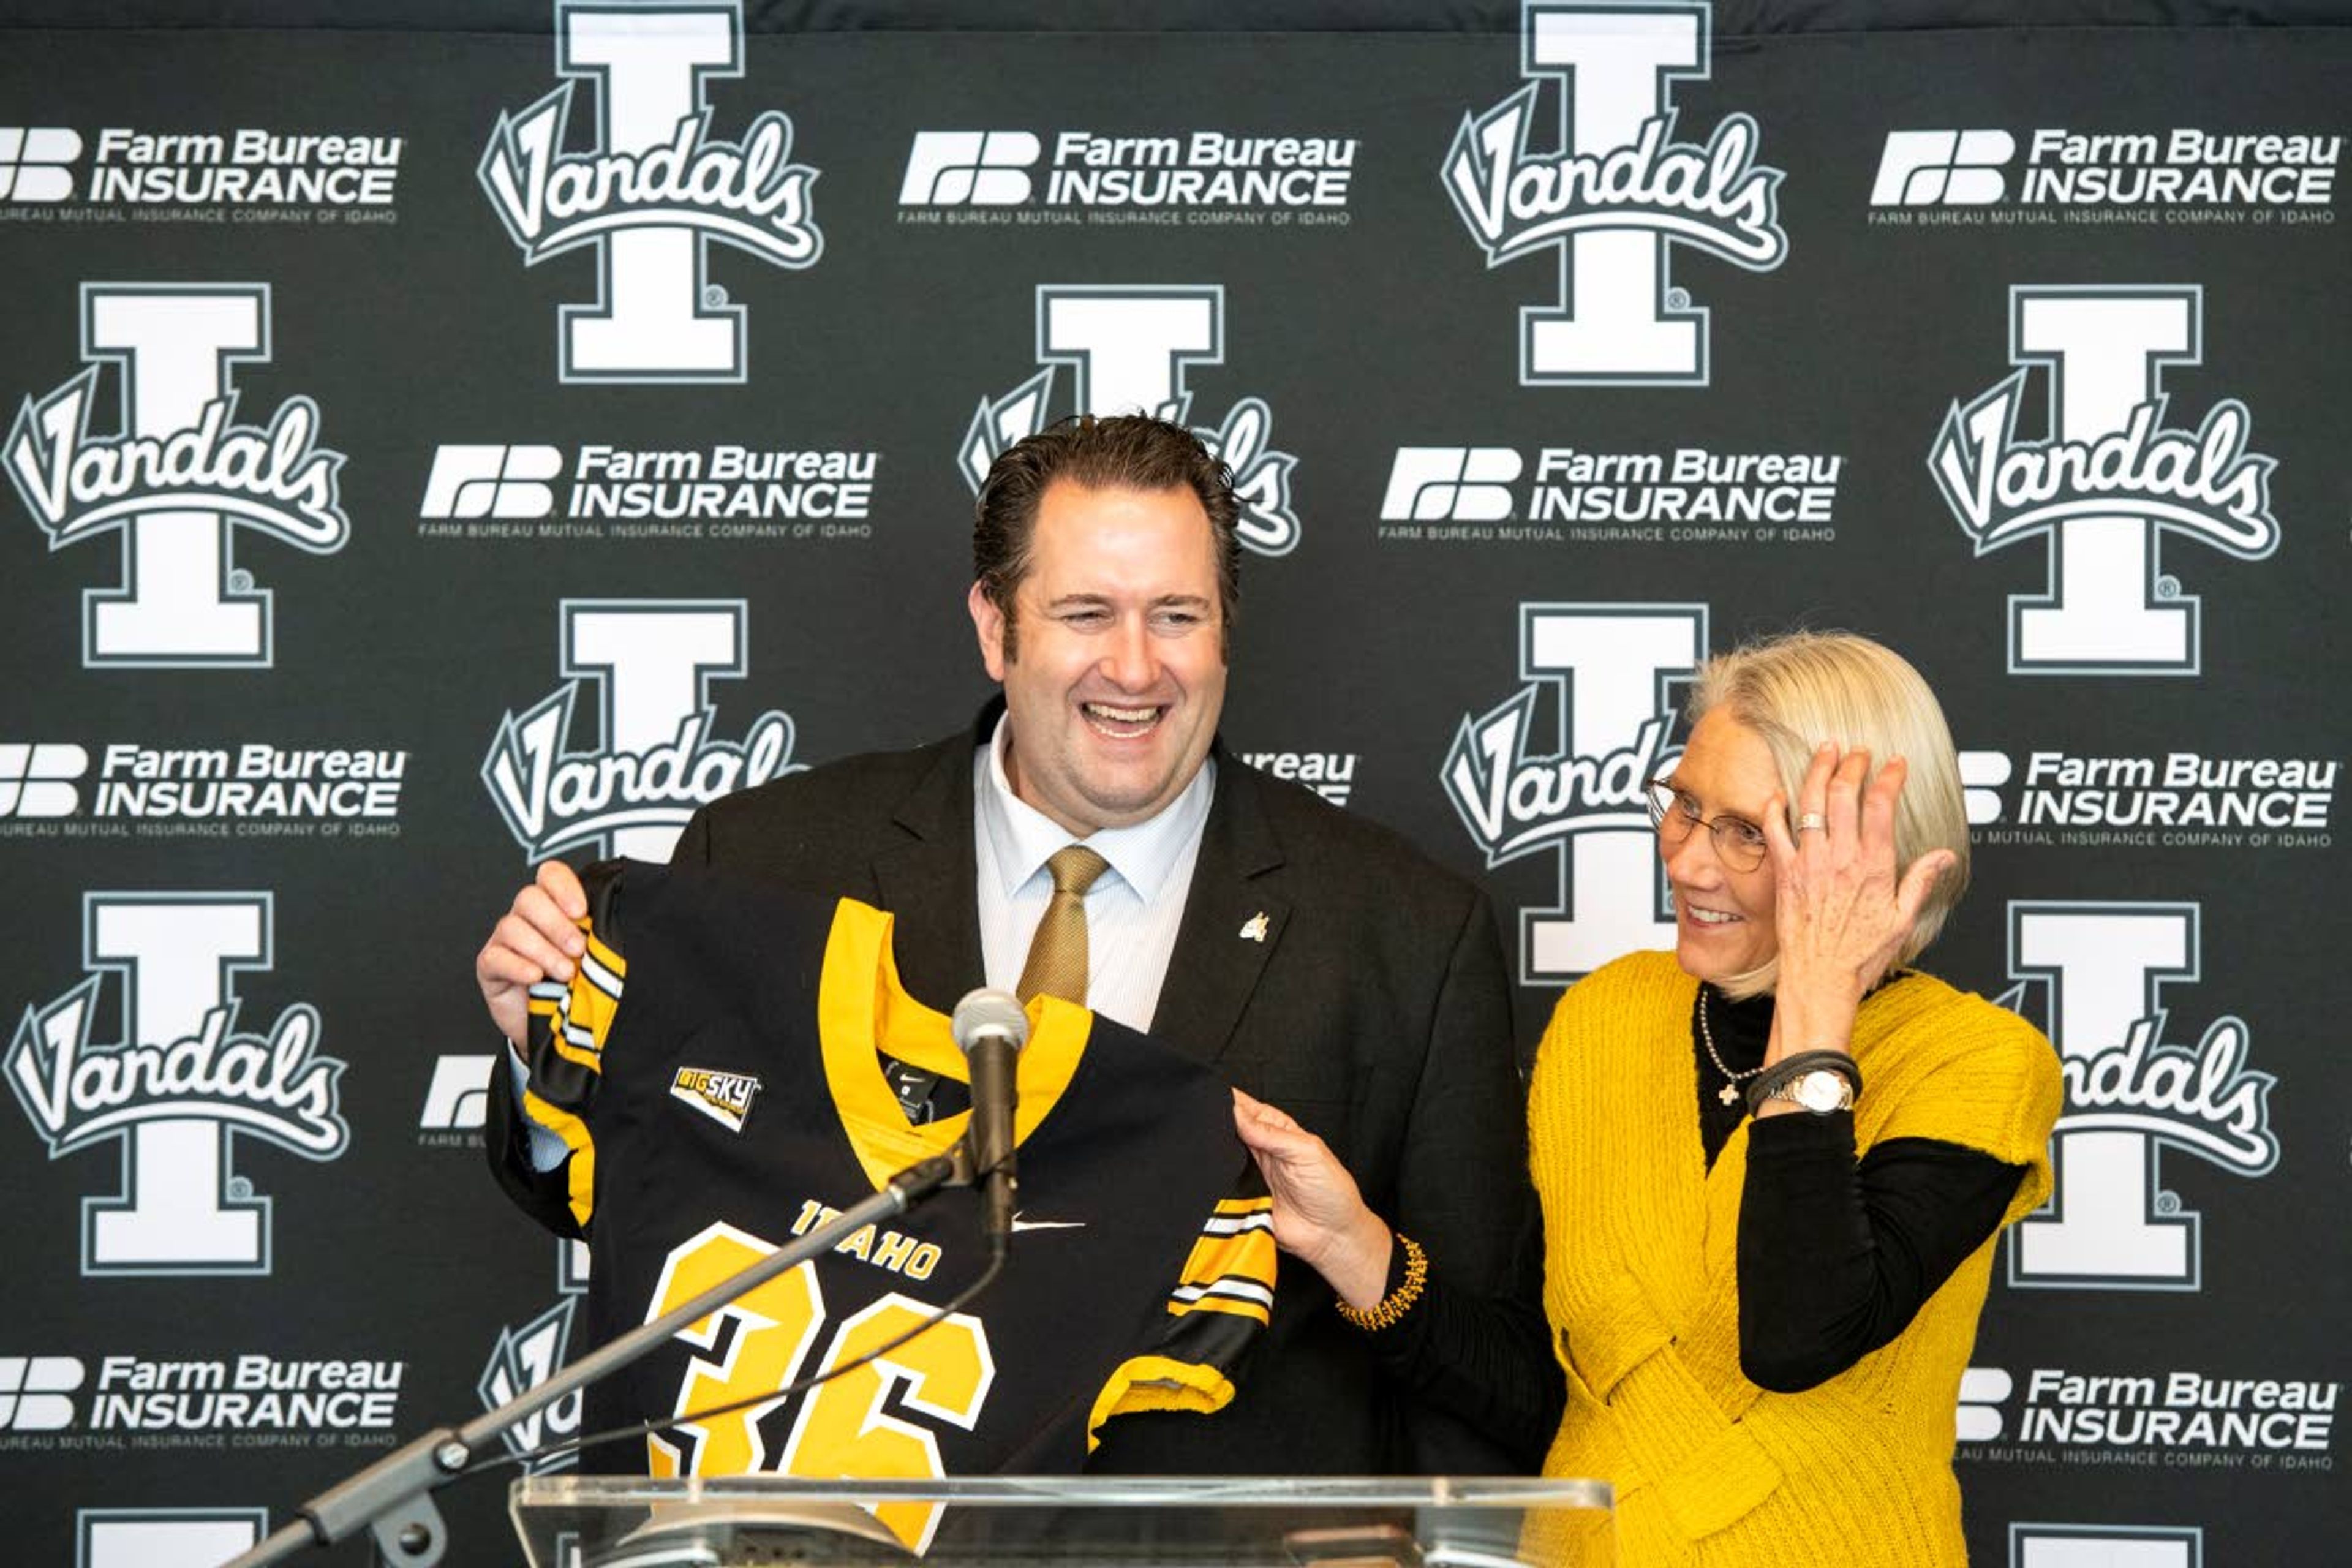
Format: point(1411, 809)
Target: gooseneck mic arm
point(990, 1026)
point(392, 1498)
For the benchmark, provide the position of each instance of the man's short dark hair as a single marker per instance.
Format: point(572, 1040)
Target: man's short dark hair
point(1126, 451)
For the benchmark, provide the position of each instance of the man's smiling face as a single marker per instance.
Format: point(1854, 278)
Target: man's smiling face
point(1117, 673)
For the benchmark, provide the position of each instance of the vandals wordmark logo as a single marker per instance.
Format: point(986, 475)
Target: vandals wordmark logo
point(2109, 481)
point(652, 662)
point(181, 1084)
point(1617, 194)
point(179, 476)
point(1598, 678)
point(653, 194)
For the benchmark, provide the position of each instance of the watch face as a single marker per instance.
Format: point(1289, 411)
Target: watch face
point(1821, 1092)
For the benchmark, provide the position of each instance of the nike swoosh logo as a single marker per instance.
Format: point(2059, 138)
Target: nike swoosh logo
point(1019, 1223)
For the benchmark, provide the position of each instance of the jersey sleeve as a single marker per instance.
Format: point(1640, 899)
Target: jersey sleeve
point(563, 1053)
point(1221, 1302)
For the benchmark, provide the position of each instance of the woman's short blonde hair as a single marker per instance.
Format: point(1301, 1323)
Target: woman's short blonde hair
point(1796, 691)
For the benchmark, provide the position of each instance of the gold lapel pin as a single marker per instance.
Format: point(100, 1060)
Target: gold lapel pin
point(1253, 929)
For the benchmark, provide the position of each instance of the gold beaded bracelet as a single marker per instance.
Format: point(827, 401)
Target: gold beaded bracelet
point(1386, 1312)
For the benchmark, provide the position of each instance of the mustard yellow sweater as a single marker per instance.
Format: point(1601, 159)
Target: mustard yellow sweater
point(1642, 1282)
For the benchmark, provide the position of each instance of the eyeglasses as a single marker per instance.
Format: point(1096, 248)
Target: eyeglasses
point(1739, 843)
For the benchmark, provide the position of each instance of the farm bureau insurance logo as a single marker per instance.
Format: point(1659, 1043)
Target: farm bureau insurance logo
point(181, 1085)
point(1967, 176)
point(37, 169)
point(1691, 496)
point(1331, 775)
point(724, 492)
point(248, 1400)
point(2129, 1095)
point(253, 790)
point(1618, 193)
point(36, 1391)
point(180, 475)
point(249, 176)
point(1599, 675)
point(2107, 481)
point(1218, 178)
point(655, 196)
point(631, 792)
point(2178, 1418)
point(1128, 350)
point(2172, 800)
point(457, 1102)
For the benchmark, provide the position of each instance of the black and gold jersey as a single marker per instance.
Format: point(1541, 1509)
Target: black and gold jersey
point(721, 1071)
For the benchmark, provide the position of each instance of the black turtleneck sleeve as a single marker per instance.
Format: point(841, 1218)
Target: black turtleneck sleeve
point(1836, 1254)
point(1470, 1355)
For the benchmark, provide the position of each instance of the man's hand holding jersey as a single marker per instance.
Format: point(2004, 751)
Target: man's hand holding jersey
point(537, 937)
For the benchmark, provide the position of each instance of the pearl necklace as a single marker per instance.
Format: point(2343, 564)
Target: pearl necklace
point(1729, 1093)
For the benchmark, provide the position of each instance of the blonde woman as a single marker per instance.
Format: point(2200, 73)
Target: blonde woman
point(1773, 1162)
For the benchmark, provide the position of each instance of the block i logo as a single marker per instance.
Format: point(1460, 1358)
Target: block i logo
point(179, 476)
point(1616, 194)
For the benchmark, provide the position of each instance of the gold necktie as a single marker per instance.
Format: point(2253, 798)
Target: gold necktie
point(1057, 953)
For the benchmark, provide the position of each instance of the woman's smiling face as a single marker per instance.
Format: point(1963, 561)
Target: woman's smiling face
point(1722, 911)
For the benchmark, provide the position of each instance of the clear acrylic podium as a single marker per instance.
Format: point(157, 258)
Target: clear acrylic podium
point(620, 1522)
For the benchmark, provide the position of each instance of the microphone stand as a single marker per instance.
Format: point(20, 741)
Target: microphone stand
point(392, 1498)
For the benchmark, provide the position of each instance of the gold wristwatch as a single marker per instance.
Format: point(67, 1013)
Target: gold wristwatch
point(1821, 1092)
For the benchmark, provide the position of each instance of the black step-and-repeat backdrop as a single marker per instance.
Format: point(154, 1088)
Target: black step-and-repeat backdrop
point(433, 450)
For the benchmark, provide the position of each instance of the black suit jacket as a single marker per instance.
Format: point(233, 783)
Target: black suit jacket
point(1375, 1010)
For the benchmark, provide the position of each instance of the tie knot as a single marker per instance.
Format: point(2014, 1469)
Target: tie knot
point(1075, 868)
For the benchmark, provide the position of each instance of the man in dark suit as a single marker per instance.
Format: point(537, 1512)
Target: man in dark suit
point(1322, 964)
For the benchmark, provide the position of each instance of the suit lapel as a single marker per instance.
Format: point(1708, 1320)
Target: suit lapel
point(1233, 917)
point(926, 881)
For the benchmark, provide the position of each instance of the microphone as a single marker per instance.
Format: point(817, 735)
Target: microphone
point(990, 1028)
